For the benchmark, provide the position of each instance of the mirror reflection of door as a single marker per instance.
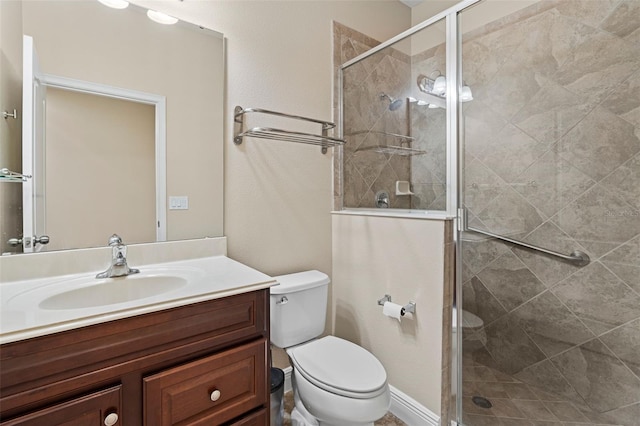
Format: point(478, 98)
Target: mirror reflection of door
point(90, 145)
point(97, 148)
point(33, 128)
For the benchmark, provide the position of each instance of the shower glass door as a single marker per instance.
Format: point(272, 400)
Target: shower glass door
point(394, 122)
point(551, 158)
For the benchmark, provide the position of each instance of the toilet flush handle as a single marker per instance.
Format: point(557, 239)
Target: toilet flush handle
point(283, 300)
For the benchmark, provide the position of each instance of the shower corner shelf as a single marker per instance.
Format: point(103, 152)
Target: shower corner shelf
point(7, 175)
point(322, 140)
point(391, 149)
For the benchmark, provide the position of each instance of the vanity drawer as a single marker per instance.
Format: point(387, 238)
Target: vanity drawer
point(102, 407)
point(211, 390)
point(258, 418)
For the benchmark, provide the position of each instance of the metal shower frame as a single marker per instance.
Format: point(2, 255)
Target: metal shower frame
point(454, 148)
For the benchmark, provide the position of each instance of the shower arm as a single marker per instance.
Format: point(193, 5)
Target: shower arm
point(576, 257)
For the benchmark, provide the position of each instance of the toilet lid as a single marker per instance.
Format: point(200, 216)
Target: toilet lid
point(340, 367)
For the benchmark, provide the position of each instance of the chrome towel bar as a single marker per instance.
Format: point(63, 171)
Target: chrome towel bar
point(576, 257)
point(322, 140)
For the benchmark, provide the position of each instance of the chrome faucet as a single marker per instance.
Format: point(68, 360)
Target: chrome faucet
point(119, 267)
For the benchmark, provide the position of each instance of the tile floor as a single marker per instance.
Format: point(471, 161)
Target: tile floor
point(519, 404)
point(514, 403)
point(388, 420)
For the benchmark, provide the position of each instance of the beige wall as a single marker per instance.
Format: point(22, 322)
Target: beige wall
point(181, 64)
point(474, 16)
point(86, 191)
point(10, 129)
point(278, 195)
point(374, 256)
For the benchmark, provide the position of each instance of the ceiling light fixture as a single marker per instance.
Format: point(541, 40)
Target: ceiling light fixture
point(465, 94)
point(115, 4)
point(161, 18)
point(438, 87)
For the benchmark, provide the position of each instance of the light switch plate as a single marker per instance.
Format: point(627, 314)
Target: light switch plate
point(179, 202)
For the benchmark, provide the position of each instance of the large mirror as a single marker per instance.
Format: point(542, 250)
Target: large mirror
point(127, 137)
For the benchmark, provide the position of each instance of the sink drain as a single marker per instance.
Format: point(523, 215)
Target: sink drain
point(482, 402)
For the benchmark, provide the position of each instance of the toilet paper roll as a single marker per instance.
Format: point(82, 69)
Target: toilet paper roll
point(392, 310)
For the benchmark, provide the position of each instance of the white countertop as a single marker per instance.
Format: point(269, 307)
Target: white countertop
point(23, 317)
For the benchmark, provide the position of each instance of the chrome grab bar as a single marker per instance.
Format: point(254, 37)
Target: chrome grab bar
point(576, 257)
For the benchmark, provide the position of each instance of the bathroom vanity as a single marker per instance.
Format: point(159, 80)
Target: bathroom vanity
point(186, 361)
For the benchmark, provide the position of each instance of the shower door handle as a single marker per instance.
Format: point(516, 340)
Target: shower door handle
point(577, 257)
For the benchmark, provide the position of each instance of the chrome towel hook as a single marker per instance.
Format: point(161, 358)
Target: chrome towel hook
point(6, 114)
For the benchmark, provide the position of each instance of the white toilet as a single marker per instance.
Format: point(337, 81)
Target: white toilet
point(335, 382)
point(470, 323)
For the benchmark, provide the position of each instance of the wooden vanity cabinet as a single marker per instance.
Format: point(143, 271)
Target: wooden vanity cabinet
point(200, 364)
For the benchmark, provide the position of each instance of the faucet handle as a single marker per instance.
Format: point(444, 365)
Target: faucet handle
point(115, 240)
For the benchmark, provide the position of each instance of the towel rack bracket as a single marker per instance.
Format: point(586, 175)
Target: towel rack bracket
point(238, 122)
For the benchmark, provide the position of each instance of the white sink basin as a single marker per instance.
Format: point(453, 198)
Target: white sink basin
point(110, 291)
point(86, 292)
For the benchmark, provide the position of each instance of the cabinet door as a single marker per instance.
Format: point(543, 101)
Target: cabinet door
point(209, 391)
point(94, 409)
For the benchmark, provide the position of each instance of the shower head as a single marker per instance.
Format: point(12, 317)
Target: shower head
point(394, 104)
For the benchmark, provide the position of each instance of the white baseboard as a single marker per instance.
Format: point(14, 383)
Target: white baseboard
point(403, 406)
point(411, 411)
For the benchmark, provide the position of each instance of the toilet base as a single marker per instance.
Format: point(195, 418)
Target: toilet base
point(370, 410)
point(299, 415)
point(298, 419)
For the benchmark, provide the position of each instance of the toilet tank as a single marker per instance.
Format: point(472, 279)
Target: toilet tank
point(298, 307)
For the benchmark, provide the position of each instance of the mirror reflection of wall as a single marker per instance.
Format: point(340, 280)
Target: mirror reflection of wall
point(123, 48)
point(85, 134)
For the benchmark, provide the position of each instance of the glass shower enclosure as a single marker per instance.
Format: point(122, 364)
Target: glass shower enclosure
point(521, 120)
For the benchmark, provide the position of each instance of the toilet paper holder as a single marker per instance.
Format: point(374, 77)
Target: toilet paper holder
point(409, 307)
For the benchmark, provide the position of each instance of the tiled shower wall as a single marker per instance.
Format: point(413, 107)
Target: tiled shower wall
point(428, 128)
point(553, 158)
point(368, 121)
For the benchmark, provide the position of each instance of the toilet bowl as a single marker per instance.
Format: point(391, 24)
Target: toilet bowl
point(335, 382)
point(470, 323)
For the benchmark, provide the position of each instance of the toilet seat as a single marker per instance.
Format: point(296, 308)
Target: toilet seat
point(470, 321)
point(340, 367)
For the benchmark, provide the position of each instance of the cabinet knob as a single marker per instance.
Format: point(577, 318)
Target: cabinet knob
point(215, 395)
point(111, 419)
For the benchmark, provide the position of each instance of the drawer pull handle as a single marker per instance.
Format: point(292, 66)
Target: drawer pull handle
point(111, 419)
point(215, 395)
